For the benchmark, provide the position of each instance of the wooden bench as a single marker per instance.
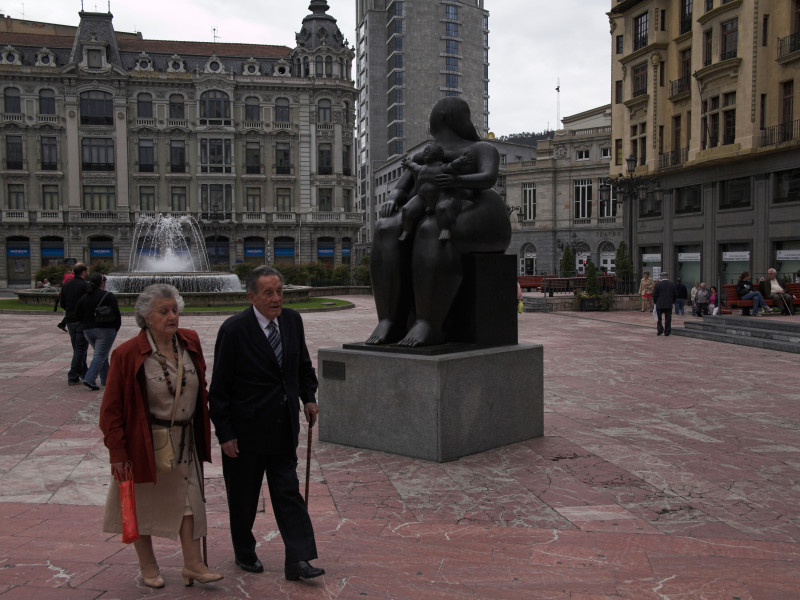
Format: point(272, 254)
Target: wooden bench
point(530, 283)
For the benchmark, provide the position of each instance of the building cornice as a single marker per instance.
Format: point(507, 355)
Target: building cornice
point(721, 9)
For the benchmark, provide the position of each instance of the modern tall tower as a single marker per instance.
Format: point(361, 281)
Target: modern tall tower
point(410, 54)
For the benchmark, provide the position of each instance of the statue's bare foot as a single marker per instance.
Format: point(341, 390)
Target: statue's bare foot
point(444, 235)
point(403, 236)
point(422, 334)
point(381, 333)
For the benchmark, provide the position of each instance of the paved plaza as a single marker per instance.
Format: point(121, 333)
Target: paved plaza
point(669, 469)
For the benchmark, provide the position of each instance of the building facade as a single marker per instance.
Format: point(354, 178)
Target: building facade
point(555, 198)
point(409, 54)
point(703, 98)
point(100, 127)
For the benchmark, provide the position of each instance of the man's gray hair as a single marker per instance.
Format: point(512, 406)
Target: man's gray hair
point(251, 285)
point(146, 301)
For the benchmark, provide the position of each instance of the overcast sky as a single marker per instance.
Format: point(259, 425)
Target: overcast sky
point(533, 43)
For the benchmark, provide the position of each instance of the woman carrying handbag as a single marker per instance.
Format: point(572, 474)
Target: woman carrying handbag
point(154, 418)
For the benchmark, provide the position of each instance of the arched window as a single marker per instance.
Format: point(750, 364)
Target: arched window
point(306, 71)
point(324, 111)
point(328, 66)
point(251, 109)
point(97, 108)
point(319, 66)
point(11, 102)
point(215, 104)
point(282, 110)
point(47, 102)
point(176, 107)
point(144, 106)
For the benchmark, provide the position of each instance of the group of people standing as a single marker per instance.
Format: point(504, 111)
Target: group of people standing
point(156, 403)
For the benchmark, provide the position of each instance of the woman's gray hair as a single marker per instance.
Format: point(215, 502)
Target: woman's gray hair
point(148, 297)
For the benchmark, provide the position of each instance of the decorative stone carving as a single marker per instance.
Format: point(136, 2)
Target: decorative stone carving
point(560, 151)
point(251, 67)
point(282, 68)
point(45, 58)
point(214, 65)
point(143, 62)
point(10, 56)
point(176, 64)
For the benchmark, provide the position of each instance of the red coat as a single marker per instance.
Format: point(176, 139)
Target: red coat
point(125, 412)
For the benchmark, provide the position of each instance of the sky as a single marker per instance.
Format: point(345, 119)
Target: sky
point(533, 44)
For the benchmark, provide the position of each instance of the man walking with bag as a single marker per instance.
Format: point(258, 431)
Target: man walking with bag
point(71, 292)
point(262, 371)
point(664, 295)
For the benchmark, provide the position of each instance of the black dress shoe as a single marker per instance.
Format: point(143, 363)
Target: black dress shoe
point(91, 386)
point(250, 567)
point(301, 570)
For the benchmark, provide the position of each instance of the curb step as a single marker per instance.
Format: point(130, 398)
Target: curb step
point(534, 305)
point(781, 336)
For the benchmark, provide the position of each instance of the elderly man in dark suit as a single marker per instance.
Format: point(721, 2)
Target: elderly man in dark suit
point(262, 370)
point(664, 294)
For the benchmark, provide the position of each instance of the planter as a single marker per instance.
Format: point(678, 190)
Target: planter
point(588, 304)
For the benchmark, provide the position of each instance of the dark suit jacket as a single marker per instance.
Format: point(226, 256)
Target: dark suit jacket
point(247, 392)
point(664, 294)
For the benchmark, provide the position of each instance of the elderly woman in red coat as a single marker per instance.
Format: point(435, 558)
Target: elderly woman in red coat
point(157, 380)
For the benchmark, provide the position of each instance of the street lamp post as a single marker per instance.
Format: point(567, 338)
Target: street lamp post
point(631, 188)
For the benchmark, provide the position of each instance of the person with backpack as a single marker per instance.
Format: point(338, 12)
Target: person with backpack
point(71, 293)
point(98, 311)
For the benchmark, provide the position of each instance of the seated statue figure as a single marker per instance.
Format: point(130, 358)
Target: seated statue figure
point(415, 281)
point(430, 198)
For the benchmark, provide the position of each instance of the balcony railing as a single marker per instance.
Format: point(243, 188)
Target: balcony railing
point(50, 216)
point(254, 217)
point(283, 217)
point(146, 122)
point(106, 216)
point(282, 125)
point(678, 86)
point(785, 132)
point(333, 217)
point(12, 117)
point(789, 44)
point(673, 158)
point(177, 123)
point(15, 216)
point(252, 124)
point(47, 118)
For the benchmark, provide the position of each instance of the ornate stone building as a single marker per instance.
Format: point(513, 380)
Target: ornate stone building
point(99, 127)
point(556, 199)
point(703, 98)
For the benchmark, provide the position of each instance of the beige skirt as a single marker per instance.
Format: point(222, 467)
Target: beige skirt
point(161, 506)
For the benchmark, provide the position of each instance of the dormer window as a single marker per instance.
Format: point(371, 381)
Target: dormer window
point(176, 64)
point(10, 56)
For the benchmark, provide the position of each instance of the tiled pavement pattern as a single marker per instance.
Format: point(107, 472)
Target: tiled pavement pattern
point(670, 469)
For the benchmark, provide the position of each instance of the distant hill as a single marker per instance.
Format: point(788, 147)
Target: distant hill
point(526, 138)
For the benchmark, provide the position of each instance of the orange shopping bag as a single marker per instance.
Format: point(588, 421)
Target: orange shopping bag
point(127, 502)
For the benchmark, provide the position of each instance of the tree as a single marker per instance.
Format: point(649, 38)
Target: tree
point(623, 267)
point(567, 263)
point(592, 284)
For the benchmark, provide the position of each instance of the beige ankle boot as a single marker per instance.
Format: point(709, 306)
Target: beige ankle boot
point(194, 568)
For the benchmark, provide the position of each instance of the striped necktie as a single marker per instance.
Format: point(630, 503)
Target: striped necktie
point(275, 341)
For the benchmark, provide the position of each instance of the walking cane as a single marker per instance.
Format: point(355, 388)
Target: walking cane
point(308, 462)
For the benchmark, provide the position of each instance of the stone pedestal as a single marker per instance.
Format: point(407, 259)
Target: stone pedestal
point(436, 407)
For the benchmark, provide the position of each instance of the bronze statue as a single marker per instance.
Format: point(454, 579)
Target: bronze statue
point(415, 280)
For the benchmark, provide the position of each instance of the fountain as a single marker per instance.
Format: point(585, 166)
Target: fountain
point(167, 249)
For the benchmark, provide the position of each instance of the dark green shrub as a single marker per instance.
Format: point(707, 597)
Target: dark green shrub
point(568, 263)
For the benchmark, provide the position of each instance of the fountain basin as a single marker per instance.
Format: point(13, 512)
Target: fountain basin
point(239, 298)
point(200, 281)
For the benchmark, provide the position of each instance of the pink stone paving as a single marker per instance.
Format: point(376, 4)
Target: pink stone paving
point(670, 469)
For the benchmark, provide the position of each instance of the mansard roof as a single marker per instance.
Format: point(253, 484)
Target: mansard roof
point(203, 48)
